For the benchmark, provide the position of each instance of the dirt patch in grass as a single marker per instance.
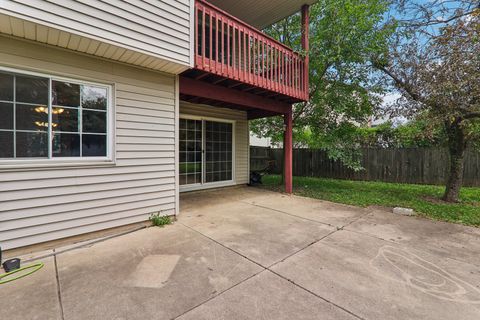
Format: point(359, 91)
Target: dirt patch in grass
point(435, 200)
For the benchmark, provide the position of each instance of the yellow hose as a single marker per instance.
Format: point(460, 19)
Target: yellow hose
point(34, 267)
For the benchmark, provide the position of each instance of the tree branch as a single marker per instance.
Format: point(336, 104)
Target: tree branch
point(408, 23)
point(401, 84)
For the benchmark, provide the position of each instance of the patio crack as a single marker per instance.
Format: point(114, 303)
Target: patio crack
point(308, 219)
point(229, 288)
point(318, 296)
point(224, 246)
point(59, 293)
point(219, 294)
point(268, 268)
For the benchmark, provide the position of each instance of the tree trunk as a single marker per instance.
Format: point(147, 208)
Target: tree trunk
point(457, 146)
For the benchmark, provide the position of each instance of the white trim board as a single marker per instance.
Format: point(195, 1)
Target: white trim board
point(177, 145)
point(210, 185)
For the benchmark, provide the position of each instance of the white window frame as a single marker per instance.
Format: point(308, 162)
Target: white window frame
point(216, 184)
point(6, 163)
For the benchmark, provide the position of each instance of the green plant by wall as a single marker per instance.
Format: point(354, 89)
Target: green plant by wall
point(158, 220)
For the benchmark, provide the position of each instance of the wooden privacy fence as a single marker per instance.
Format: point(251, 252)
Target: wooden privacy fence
point(419, 165)
point(259, 158)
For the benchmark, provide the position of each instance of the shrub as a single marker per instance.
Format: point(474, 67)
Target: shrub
point(159, 220)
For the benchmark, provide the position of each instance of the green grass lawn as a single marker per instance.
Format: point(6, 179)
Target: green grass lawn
point(424, 199)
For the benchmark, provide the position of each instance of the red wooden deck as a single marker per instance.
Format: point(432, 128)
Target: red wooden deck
point(231, 49)
point(239, 67)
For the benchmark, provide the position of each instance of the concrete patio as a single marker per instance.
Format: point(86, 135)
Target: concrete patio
point(247, 253)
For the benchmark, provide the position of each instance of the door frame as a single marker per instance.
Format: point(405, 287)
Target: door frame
point(209, 185)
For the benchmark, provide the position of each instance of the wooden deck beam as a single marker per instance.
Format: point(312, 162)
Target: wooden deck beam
point(206, 90)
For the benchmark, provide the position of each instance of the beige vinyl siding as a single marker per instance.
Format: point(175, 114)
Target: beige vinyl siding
point(52, 201)
point(241, 133)
point(242, 152)
point(127, 30)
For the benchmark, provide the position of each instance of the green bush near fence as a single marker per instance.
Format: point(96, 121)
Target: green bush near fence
point(424, 199)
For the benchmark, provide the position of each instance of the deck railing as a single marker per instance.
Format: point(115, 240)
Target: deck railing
point(228, 47)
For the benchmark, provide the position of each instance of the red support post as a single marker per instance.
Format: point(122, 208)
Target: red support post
point(287, 118)
point(203, 38)
point(305, 45)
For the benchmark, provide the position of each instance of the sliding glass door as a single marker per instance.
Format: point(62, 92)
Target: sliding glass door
point(191, 147)
point(218, 151)
point(206, 152)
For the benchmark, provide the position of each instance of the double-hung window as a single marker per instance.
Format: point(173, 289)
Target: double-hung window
point(45, 117)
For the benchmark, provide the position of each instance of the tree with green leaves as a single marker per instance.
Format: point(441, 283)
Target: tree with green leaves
point(434, 61)
point(343, 92)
